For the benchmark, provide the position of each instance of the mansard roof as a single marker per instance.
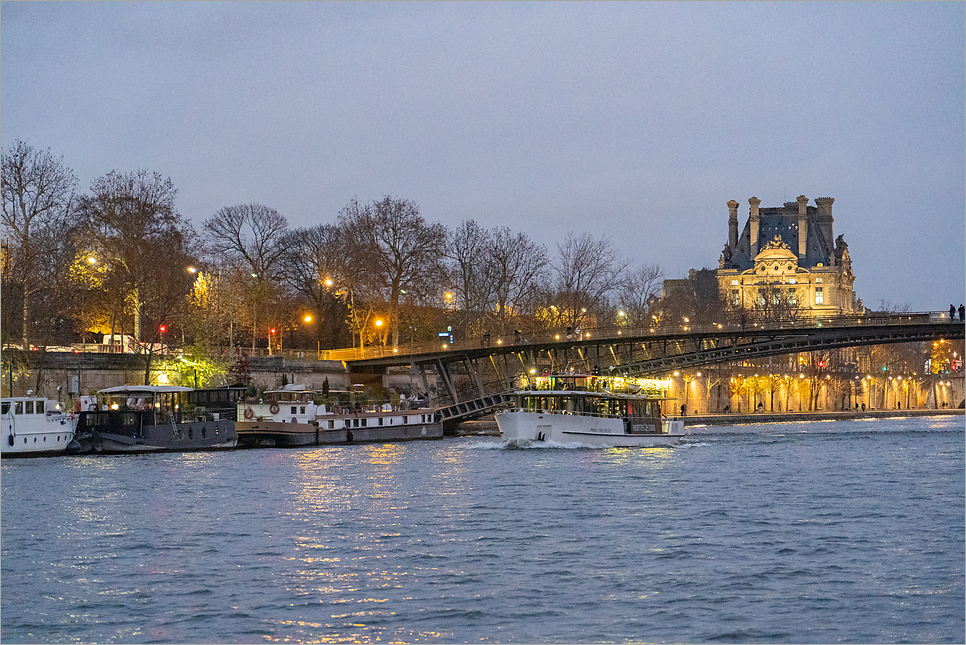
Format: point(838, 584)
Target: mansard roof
point(783, 222)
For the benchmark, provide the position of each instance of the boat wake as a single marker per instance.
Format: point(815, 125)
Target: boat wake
point(527, 444)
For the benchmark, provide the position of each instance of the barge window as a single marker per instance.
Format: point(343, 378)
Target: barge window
point(19, 410)
point(6, 407)
point(30, 407)
point(40, 407)
point(380, 420)
point(294, 408)
point(364, 423)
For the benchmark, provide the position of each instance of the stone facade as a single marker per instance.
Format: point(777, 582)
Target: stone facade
point(785, 258)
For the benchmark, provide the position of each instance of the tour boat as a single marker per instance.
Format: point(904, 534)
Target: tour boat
point(35, 426)
point(590, 410)
point(149, 418)
point(290, 417)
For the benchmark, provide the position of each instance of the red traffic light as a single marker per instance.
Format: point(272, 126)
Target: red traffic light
point(272, 330)
point(163, 329)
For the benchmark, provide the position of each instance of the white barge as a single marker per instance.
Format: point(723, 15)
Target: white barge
point(290, 417)
point(591, 410)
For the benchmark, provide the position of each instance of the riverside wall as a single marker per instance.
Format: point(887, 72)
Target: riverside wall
point(84, 373)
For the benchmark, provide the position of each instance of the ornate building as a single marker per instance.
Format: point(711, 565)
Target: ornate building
point(784, 261)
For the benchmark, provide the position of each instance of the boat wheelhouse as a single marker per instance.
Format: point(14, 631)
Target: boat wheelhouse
point(290, 417)
point(34, 426)
point(592, 410)
point(150, 418)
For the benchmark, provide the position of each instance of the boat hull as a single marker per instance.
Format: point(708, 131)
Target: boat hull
point(526, 427)
point(275, 434)
point(182, 437)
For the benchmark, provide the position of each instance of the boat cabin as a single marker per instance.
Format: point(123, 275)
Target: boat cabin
point(636, 401)
point(128, 409)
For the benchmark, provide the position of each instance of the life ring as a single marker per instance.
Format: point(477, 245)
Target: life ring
point(249, 413)
point(274, 408)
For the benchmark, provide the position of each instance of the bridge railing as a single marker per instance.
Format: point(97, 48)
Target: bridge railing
point(617, 333)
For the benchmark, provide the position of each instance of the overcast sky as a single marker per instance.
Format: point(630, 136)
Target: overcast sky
point(638, 121)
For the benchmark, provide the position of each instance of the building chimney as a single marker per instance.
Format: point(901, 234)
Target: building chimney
point(802, 227)
point(733, 226)
point(753, 222)
point(825, 220)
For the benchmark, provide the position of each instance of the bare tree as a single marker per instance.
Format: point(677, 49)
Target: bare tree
point(38, 192)
point(467, 252)
point(587, 270)
point(250, 233)
point(403, 253)
point(636, 292)
point(126, 216)
point(513, 265)
point(251, 236)
point(315, 261)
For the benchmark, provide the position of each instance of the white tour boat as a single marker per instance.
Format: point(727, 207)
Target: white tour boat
point(290, 417)
point(35, 426)
point(591, 410)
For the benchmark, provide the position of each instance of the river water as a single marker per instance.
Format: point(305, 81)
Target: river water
point(807, 532)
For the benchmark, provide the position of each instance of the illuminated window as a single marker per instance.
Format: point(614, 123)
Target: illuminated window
point(735, 297)
point(819, 297)
point(791, 281)
point(818, 281)
point(734, 283)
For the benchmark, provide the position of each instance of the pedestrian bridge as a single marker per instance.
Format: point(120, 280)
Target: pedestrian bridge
point(465, 368)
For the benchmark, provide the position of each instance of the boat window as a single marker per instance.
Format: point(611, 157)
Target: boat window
point(331, 425)
point(294, 408)
point(30, 407)
point(40, 407)
point(19, 410)
point(348, 423)
point(364, 423)
point(405, 420)
point(355, 422)
point(380, 420)
point(6, 407)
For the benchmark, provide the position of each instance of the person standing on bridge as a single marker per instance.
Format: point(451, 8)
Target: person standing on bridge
point(962, 313)
point(952, 313)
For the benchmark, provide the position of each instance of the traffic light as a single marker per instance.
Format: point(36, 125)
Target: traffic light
point(163, 328)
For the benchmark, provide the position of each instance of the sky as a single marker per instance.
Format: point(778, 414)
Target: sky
point(633, 121)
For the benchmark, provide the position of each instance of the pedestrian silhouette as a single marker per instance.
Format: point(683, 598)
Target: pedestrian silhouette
point(952, 313)
point(962, 313)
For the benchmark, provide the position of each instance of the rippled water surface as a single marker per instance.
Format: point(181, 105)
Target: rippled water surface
point(807, 532)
